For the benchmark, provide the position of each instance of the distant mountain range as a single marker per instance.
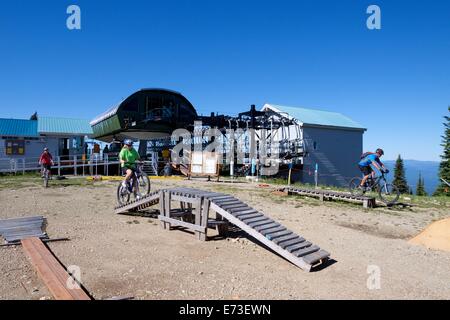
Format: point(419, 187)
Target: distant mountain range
point(428, 169)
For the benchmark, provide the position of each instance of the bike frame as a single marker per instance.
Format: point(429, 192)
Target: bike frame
point(377, 182)
point(134, 179)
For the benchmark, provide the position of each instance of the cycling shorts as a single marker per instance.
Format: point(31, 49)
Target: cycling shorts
point(366, 170)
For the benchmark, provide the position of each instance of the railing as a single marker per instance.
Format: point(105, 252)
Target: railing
point(88, 166)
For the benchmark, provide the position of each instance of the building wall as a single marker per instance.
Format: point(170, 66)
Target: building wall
point(336, 151)
point(33, 150)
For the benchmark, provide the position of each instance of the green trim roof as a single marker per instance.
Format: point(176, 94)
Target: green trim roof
point(18, 128)
point(317, 117)
point(50, 125)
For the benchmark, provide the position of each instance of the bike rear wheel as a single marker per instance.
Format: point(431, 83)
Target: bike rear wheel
point(354, 188)
point(123, 196)
point(46, 178)
point(388, 193)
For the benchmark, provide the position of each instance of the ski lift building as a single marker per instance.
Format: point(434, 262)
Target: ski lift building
point(332, 143)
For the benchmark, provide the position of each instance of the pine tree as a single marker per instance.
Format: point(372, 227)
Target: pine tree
point(420, 189)
point(399, 176)
point(444, 167)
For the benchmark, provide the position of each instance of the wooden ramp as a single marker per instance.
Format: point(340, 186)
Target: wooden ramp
point(145, 202)
point(283, 241)
point(61, 285)
point(367, 202)
point(28, 231)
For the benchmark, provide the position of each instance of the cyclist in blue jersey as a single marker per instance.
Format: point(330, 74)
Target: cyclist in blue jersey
point(365, 165)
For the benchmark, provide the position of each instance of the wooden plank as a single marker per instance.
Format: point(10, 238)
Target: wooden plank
point(298, 246)
point(235, 207)
point(248, 216)
point(305, 251)
point(273, 230)
point(280, 240)
point(265, 221)
point(179, 223)
point(291, 242)
point(241, 209)
point(244, 212)
point(51, 271)
point(257, 219)
point(317, 256)
point(227, 202)
point(278, 234)
point(270, 225)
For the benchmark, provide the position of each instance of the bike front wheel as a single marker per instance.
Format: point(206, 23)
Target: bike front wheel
point(389, 193)
point(354, 187)
point(123, 196)
point(144, 184)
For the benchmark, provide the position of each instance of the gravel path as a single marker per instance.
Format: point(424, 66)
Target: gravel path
point(133, 255)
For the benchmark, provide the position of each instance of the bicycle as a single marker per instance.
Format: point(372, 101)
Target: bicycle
point(387, 192)
point(45, 176)
point(139, 189)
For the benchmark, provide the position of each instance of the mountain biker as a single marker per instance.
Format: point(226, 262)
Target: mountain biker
point(127, 157)
point(367, 161)
point(46, 160)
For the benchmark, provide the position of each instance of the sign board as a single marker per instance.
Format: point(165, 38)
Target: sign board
point(204, 164)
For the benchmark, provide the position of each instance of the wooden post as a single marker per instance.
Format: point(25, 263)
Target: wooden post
point(204, 219)
point(59, 165)
point(198, 215)
point(162, 210)
point(167, 199)
point(75, 165)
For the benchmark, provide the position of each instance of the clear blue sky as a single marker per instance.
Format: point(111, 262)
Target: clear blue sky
point(225, 55)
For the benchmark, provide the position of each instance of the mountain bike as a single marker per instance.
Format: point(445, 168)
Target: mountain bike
point(138, 185)
point(387, 192)
point(45, 176)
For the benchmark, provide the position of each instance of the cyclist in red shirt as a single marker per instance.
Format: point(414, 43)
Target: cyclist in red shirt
point(46, 160)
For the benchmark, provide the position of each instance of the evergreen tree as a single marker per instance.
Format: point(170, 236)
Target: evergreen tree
point(420, 189)
point(399, 176)
point(444, 167)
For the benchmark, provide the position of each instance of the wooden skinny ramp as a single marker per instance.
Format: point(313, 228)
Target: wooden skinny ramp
point(285, 242)
point(367, 202)
point(139, 205)
point(51, 271)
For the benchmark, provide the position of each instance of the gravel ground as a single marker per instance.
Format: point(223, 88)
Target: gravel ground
point(132, 255)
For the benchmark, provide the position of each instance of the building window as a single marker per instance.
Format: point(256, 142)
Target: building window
point(315, 145)
point(15, 147)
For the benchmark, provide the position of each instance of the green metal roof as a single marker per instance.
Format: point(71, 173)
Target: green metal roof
point(49, 125)
point(317, 117)
point(18, 128)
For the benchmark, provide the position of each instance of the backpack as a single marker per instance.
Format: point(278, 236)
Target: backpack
point(365, 154)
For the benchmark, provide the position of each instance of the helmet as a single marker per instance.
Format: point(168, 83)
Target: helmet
point(45, 149)
point(380, 151)
point(128, 142)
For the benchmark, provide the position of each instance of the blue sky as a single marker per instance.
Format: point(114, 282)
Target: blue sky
point(225, 55)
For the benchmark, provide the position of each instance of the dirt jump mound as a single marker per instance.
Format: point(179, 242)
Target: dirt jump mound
point(435, 236)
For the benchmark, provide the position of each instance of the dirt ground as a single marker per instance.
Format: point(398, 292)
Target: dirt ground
point(132, 255)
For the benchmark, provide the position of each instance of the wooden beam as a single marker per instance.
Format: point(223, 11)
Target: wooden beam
point(51, 271)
